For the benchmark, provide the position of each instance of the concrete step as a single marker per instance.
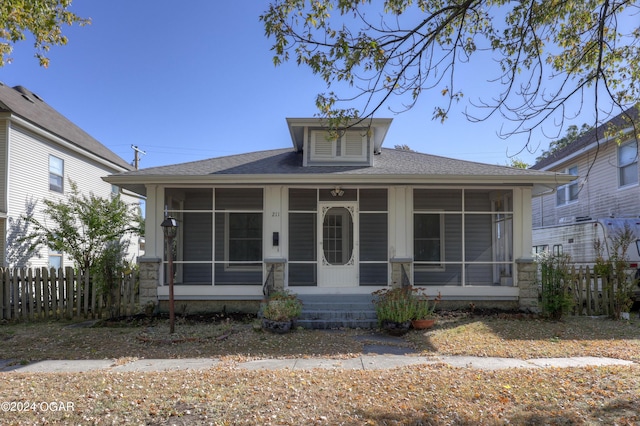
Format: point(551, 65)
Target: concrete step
point(337, 311)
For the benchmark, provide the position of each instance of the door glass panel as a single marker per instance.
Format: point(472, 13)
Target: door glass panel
point(337, 233)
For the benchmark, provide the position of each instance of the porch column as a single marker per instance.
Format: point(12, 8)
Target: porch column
point(278, 271)
point(401, 271)
point(149, 281)
point(527, 285)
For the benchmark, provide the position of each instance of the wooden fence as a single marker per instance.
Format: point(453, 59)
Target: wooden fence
point(592, 294)
point(33, 294)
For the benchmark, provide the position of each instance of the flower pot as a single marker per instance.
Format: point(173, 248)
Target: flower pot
point(278, 327)
point(396, 328)
point(422, 324)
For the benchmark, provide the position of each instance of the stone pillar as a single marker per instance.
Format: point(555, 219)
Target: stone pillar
point(397, 264)
point(278, 272)
point(528, 285)
point(149, 281)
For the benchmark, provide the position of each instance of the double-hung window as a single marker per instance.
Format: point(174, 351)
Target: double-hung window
point(628, 164)
point(56, 174)
point(568, 193)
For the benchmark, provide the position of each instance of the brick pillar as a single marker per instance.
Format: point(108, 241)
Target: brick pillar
point(528, 285)
point(149, 281)
point(278, 272)
point(397, 263)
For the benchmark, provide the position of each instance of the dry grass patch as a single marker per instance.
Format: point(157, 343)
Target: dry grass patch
point(419, 395)
point(533, 337)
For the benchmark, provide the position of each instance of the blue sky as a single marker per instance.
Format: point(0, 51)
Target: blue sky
point(197, 81)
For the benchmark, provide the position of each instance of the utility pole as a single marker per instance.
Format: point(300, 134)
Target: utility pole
point(136, 159)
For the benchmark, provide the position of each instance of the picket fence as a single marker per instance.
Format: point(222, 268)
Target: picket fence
point(592, 294)
point(34, 294)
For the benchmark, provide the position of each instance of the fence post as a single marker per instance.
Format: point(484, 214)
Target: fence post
point(46, 292)
point(3, 284)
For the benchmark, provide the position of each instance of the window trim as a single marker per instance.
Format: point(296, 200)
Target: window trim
point(55, 174)
point(620, 167)
point(567, 188)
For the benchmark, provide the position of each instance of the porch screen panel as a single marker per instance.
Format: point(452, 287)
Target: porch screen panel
point(373, 200)
point(477, 237)
point(437, 199)
point(478, 249)
point(302, 264)
point(451, 275)
point(302, 249)
point(238, 236)
point(192, 251)
point(374, 237)
point(198, 236)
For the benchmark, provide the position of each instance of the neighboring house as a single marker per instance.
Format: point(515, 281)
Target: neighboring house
point(338, 217)
point(607, 171)
point(40, 151)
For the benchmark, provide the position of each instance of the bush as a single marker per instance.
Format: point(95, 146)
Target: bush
point(554, 272)
point(403, 304)
point(282, 306)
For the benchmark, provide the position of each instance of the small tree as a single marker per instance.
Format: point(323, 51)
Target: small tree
point(83, 226)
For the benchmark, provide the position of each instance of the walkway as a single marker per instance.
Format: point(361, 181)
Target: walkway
point(364, 362)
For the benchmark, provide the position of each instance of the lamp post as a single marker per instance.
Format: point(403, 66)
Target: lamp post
point(170, 230)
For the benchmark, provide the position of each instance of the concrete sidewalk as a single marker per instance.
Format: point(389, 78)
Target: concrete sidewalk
point(364, 362)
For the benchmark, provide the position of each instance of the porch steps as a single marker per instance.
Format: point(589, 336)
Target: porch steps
point(337, 311)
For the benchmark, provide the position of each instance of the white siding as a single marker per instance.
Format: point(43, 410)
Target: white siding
point(3, 165)
point(29, 177)
point(599, 194)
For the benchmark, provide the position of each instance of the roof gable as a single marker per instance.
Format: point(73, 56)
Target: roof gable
point(25, 104)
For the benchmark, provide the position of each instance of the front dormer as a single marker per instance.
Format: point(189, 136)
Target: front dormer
point(355, 146)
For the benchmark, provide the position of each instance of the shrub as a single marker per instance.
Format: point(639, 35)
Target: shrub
point(554, 273)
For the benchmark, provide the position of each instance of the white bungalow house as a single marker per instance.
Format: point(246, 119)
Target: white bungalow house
point(340, 217)
point(40, 150)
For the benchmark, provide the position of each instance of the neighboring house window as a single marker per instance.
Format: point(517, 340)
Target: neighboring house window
point(56, 174)
point(115, 190)
point(568, 193)
point(557, 249)
point(540, 249)
point(55, 259)
point(628, 164)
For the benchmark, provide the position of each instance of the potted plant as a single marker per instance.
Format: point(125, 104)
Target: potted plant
point(280, 311)
point(394, 309)
point(423, 315)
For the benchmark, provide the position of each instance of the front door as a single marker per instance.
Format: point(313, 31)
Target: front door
point(338, 245)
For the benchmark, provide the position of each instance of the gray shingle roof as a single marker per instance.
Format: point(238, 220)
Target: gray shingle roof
point(619, 122)
point(30, 107)
point(288, 161)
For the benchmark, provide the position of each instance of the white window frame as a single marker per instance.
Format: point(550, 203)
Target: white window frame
point(627, 164)
point(54, 254)
point(57, 172)
point(567, 189)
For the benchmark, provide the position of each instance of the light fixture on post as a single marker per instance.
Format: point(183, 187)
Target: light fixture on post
point(170, 230)
point(337, 192)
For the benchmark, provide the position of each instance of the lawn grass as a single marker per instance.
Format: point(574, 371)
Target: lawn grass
point(418, 395)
